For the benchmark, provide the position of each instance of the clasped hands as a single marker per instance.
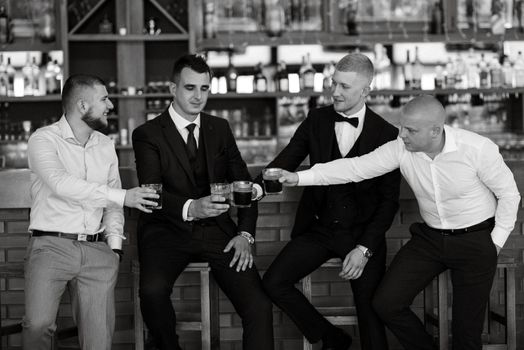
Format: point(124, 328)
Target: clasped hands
point(212, 206)
point(353, 265)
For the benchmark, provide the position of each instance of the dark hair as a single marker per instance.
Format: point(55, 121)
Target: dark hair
point(74, 85)
point(194, 62)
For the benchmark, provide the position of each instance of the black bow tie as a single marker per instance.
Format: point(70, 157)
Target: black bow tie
point(353, 121)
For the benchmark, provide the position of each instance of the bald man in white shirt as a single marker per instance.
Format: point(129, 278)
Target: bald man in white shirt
point(468, 200)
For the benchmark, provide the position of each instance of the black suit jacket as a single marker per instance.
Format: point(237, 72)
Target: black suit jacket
point(377, 199)
point(161, 158)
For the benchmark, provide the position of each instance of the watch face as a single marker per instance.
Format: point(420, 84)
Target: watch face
point(368, 254)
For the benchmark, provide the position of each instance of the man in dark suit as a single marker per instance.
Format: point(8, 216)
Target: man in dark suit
point(186, 150)
point(344, 221)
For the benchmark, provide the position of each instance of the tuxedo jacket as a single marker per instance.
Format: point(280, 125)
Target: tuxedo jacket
point(376, 199)
point(161, 157)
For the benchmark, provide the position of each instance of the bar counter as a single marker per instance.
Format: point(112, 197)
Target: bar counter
point(276, 217)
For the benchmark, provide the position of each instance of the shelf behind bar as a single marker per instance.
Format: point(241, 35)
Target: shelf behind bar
point(224, 41)
point(45, 98)
point(232, 95)
point(128, 37)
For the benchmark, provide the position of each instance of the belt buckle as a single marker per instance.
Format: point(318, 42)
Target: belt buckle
point(82, 237)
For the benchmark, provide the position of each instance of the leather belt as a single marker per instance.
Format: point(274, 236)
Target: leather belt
point(73, 236)
point(451, 232)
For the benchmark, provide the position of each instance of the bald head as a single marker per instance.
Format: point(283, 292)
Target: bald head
point(422, 125)
point(426, 109)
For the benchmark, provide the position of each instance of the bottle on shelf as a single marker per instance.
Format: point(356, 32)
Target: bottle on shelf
point(351, 17)
point(231, 75)
point(275, 18)
point(416, 82)
point(408, 72)
point(282, 78)
point(327, 72)
point(436, 18)
point(483, 72)
point(449, 74)
point(519, 70)
point(38, 82)
point(4, 80)
point(260, 81)
point(472, 71)
point(50, 78)
point(4, 26)
point(27, 72)
point(507, 72)
point(439, 77)
point(210, 20)
point(307, 74)
point(59, 76)
point(495, 72)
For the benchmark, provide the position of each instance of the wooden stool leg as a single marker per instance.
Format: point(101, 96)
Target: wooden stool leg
point(306, 290)
point(209, 311)
point(511, 317)
point(139, 322)
point(443, 311)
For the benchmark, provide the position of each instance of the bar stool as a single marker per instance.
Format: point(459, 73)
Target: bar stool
point(340, 316)
point(209, 322)
point(440, 320)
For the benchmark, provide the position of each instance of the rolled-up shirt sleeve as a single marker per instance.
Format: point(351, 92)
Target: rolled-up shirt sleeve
point(45, 163)
point(113, 218)
point(496, 175)
point(379, 162)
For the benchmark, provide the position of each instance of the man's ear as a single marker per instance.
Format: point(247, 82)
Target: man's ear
point(82, 105)
point(172, 88)
point(436, 131)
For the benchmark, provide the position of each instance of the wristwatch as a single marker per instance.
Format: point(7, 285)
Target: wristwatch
point(247, 236)
point(366, 251)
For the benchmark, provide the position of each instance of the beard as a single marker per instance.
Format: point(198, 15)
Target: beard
point(94, 123)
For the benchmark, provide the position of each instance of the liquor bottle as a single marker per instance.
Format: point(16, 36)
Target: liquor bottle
point(59, 76)
point(4, 26)
point(260, 81)
point(231, 75)
point(4, 81)
point(417, 71)
point(507, 72)
point(275, 18)
point(436, 18)
point(27, 72)
point(308, 74)
point(210, 20)
point(35, 71)
point(519, 70)
point(483, 72)
point(495, 72)
point(439, 77)
point(328, 71)
point(10, 77)
point(50, 78)
point(282, 78)
point(351, 17)
point(472, 72)
point(408, 72)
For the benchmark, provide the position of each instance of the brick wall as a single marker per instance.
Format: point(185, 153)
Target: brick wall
point(274, 226)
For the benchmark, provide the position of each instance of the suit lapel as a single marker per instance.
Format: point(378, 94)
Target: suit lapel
point(327, 134)
point(176, 143)
point(208, 136)
point(370, 133)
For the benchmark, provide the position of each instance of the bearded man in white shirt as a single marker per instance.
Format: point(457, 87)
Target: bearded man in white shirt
point(76, 219)
point(468, 200)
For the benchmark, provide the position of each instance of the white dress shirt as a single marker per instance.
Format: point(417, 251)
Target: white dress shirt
point(181, 124)
point(75, 188)
point(467, 183)
point(346, 133)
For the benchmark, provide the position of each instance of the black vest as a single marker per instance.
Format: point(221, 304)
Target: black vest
point(339, 208)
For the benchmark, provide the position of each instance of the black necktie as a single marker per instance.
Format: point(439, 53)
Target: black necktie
point(353, 121)
point(191, 142)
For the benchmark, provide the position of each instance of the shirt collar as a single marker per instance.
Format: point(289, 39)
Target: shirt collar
point(358, 114)
point(450, 143)
point(179, 121)
point(67, 133)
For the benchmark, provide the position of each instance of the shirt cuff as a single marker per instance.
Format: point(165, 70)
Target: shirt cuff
point(185, 211)
point(116, 195)
point(260, 191)
point(306, 178)
point(114, 240)
point(499, 236)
